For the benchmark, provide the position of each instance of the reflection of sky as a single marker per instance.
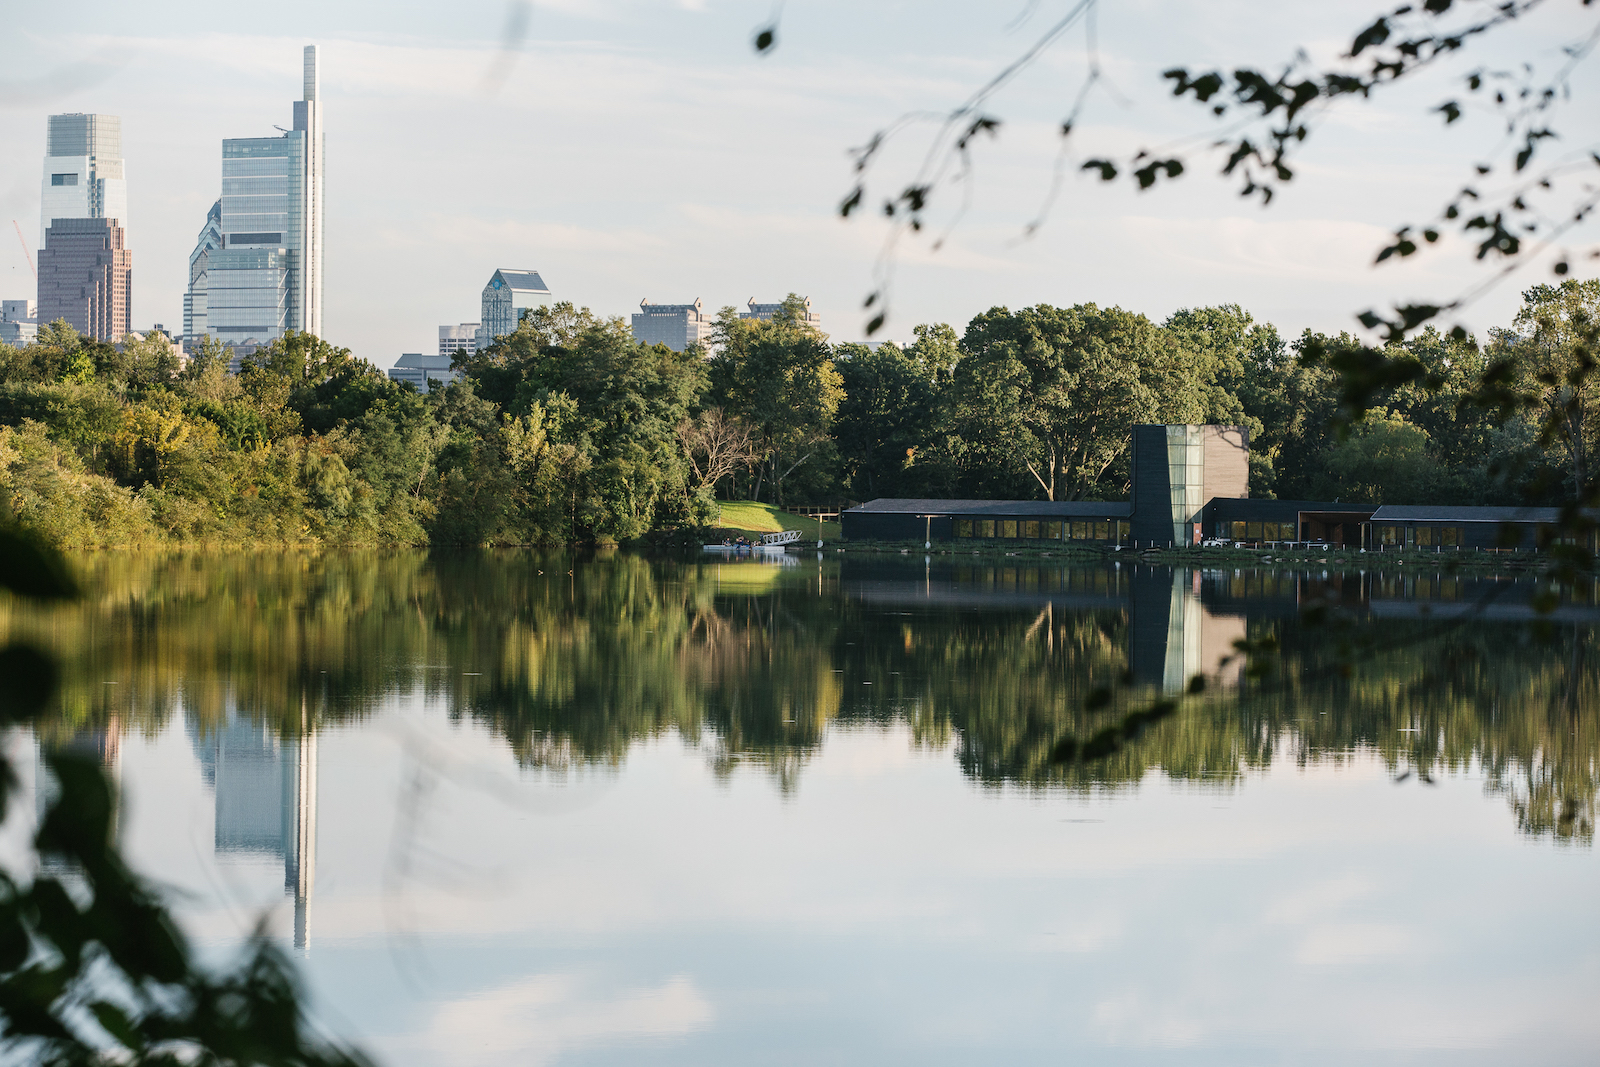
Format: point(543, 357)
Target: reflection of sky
point(891, 911)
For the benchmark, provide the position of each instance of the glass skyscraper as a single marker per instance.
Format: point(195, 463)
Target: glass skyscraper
point(84, 176)
point(256, 271)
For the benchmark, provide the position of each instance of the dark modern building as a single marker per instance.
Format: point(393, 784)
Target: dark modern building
point(1191, 484)
point(86, 277)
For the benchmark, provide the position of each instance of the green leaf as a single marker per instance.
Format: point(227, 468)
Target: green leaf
point(29, 567)
point(116, 1023)
point(28, 677)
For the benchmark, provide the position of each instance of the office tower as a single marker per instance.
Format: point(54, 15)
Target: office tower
point(675, 325)
point(83, 171)
point(462, 338)
point(419, 369)
point(766, 312)
point(509, 296)
point(86, 277)
point(194, 299)
point(19, 325)
point(256, 271)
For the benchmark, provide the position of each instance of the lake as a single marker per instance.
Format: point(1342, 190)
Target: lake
point(547, 808)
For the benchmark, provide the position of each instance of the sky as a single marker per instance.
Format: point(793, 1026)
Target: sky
point(630, 150)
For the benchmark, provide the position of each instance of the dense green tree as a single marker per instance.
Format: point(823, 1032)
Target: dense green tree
point(779, 375)
point(1056, 391)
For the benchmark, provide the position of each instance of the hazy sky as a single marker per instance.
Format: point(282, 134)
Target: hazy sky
point(635, 149)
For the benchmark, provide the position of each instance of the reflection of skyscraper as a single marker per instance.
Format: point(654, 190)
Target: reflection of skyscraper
point(265, 792)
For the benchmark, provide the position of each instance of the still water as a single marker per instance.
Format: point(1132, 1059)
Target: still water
point(547, 809)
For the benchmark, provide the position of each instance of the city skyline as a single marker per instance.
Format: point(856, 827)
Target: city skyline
point(653, 152)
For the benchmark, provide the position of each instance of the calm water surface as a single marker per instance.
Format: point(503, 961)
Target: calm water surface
point(553, 810)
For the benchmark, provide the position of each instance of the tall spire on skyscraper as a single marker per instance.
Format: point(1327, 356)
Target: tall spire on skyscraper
point(308, 118)
point(265, 275)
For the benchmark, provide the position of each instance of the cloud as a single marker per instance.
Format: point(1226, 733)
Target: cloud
point(543, 1018)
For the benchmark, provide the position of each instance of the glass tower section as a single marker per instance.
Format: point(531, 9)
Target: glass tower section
point(1186, 471)
point(84, 176)
point(264, 275)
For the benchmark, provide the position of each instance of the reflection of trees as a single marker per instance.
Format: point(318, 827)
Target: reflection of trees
point(573, 664)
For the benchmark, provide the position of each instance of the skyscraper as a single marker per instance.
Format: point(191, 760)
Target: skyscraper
point(507, 299)
point(677, 326)
point(257, 272)
point(86, 277)
point(83, 171)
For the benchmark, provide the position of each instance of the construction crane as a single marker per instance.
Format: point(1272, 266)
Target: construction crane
point(24, 242)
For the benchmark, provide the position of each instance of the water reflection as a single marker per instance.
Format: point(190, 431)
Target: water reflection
point(264, 787)
point(574, 661)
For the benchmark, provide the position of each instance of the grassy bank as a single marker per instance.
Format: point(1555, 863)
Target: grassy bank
point(751, 517)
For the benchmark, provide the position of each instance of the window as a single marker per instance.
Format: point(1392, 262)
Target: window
point(1450, 536)
point(985, 527)
point(1030, 528)
point(1102, 530)
point(1425, 535)
point(63, 179)
point(1080, 531)
point(963, 527)
point(1008, 527)
point(1052, 530)
point(255, 238)
point(1238, 531)
point(1252, 531)
point(1388, 535)
point(1124, 529)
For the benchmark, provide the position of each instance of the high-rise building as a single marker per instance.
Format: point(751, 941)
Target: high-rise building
point(195, 299)
point(256, 271)
point(86, 277)
point(509, 296)
point(19, 325)
point(678, 326)
point(462, 338)
point(83, 171)
point(766, 312)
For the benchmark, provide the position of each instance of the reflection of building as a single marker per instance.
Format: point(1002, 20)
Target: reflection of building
point(265, 791)
point(1175, 635)
point(678, 326)
point(507, 299)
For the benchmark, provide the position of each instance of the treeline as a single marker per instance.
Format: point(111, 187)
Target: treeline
point(569, 430)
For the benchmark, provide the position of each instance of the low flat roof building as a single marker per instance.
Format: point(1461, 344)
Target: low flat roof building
point(1397, 527)
point(19, 324)
point(421, 370)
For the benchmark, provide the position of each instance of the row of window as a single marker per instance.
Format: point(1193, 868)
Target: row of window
point(1421, 536)
point(1258, 531)
point(1045, 530)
